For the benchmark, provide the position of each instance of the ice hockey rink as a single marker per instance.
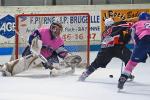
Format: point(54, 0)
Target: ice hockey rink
point(35, 84)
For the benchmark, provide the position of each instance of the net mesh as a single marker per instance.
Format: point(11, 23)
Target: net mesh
point(75, 31)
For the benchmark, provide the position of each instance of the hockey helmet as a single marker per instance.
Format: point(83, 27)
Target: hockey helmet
point(56, 24)
point(109, 22)
point(56, 28)
point(144, 16)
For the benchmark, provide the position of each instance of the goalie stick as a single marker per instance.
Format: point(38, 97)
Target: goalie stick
point(43, 59)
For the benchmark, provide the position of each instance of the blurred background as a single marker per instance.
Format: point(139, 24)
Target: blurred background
point(68, 2)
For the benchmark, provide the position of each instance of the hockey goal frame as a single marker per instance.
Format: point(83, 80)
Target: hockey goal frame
point(52, 14)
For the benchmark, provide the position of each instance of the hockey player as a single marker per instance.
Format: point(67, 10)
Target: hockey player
point(114, 40)
point(53, 45)
point(48, 43)
point(141, 30)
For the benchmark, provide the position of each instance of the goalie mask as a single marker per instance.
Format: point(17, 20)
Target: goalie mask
point(56, 29)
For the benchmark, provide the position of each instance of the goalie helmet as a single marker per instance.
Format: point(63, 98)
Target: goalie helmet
point(108, 22)
point(56, 28)
point(144, 16)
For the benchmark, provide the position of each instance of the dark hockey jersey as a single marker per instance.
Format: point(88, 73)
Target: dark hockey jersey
point(117, 34)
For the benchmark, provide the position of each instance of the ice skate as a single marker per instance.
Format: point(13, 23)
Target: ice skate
point(83, 76)
point(123, 78)
point(131, 78)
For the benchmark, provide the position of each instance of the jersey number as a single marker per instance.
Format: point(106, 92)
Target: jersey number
point(147, 25)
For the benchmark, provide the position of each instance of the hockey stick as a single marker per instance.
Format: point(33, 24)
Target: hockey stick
point(36, 48)
point(121, 69)
point(121, 63)
point(43, 59)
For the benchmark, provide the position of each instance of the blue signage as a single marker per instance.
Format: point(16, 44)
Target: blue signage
point(7, 26)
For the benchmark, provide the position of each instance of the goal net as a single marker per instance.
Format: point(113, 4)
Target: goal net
point(76, 31)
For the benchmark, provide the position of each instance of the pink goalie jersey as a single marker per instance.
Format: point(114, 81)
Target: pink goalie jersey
point(48, 41)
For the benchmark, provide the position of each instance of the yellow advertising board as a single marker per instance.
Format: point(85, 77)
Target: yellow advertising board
point(119, 14)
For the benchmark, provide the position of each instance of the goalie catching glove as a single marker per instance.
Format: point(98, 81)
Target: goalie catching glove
point(68, 68)
point(72, 60)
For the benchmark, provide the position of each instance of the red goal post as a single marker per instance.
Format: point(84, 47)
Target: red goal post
point(76, 31)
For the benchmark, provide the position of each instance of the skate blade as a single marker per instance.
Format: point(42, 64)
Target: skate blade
point(119, 90)
point(130, 80)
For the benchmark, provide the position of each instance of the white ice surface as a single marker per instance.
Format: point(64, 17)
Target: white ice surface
point(35, 84)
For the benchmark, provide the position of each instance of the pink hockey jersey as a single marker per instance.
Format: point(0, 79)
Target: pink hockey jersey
point(48, 41)
point(142, 28)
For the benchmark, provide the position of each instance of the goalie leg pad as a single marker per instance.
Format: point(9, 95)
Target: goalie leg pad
point(72, 60)
point(18, 65)
point(3, 71)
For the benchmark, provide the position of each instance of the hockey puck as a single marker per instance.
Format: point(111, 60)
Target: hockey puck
point(111, 76)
